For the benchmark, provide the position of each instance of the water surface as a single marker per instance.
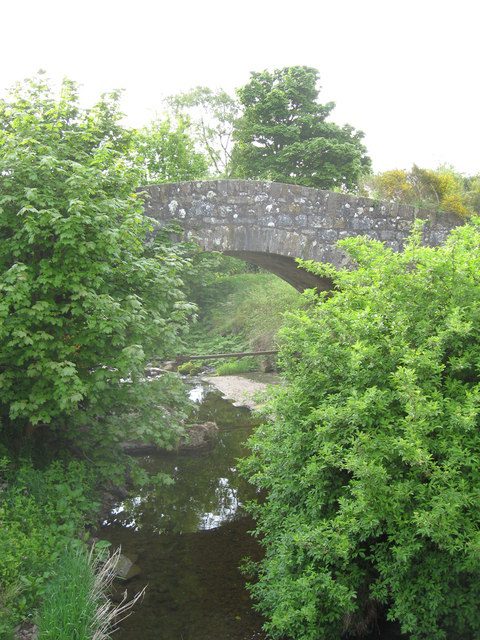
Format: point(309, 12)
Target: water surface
point(190, 538)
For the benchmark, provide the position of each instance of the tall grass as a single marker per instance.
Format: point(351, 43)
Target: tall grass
point(254, 307)
point(242, 312)
point(76, 604)
point(232, 367)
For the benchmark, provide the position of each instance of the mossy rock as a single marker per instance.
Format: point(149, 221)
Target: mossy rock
point(190, 368)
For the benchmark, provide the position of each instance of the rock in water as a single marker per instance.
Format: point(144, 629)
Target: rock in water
point(198, 436)
point(126, 569)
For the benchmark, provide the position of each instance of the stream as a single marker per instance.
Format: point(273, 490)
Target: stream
point(190, 537)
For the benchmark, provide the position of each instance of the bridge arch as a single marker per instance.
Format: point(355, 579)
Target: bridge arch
point(270, 224)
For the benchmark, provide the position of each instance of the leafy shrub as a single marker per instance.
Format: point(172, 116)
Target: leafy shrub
point(371, 463)
point(40, 513)
point(441, 190)
point(85, 301)
point(190, 368)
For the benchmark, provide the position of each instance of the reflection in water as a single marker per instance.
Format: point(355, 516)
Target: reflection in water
point(191, 537)
point(228, 504)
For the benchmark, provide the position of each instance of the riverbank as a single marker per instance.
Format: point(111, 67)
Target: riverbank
point(73, 487)
point(246, 390)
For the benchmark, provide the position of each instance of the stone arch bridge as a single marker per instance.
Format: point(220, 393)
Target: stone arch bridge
point(270, 224)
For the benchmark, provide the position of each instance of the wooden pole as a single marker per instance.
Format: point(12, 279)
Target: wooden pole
point(214, 356)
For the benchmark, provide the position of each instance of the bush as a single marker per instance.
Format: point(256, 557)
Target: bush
point(40, 513)
point(371, 463)
point(190, 368)
point(85, 300)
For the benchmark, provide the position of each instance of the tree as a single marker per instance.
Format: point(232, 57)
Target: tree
point(212, 114)
point(284, 135)
point(167, 153)
point(370, 455)
point(84, 300)
point(473, 193)
point(442, 189)
point(393, 185)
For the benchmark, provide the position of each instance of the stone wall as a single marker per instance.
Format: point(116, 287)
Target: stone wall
point(271, 224)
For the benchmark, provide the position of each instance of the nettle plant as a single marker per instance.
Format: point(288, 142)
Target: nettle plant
point(84, 299)
point(371, 464)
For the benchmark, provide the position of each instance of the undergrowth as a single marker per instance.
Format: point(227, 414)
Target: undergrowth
point(240, 312)
point(233, 367)
point(76, 606)
point(41, 511)
point(69, 609)
point(254, 308)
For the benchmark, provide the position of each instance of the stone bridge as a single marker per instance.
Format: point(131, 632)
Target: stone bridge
point(270, 224)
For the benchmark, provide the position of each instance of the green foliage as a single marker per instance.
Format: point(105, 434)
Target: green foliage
point(239, 312)
point(472, 196)
point(207, 281)
point(76, 605)
point(241, 365)
point(254, 307)
point(68, 611)
point(40, 513)
point(443, 189)
point(211, 115)
point(167, 154)
point(284, 135)
point(152, 411)
point(84, 302)
point(190, 368)
point(371, 464)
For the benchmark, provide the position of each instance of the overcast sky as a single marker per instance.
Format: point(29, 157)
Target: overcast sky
point(405, 72)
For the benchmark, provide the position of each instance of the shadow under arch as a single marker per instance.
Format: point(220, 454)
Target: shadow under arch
point(285, 268)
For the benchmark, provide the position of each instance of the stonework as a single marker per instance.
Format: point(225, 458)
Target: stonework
point(271, 224)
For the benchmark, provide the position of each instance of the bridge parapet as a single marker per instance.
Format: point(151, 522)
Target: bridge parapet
point(272, 223)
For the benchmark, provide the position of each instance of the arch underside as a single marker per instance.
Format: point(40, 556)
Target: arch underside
point(284, 267)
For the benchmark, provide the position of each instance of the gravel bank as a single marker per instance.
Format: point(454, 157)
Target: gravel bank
point(241, 389)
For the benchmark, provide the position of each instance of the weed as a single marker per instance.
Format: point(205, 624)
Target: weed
point(76, 606)
point(233, 367)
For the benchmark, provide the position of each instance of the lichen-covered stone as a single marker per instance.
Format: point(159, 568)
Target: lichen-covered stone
point(271, 224)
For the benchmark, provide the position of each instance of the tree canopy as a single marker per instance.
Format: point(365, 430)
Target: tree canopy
point(284, 134)
point(211, 115)
point(84, 299)
point(166, 153)
point(443, 189)
point(370, 453)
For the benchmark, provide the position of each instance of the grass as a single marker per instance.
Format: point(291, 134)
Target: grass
point(254, 308)
point(243, 314)
point(76, 606)
point(69, 608)
point(233, 367)
point(41, 511)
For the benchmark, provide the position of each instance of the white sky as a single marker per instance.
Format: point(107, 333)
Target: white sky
point(405, 72)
